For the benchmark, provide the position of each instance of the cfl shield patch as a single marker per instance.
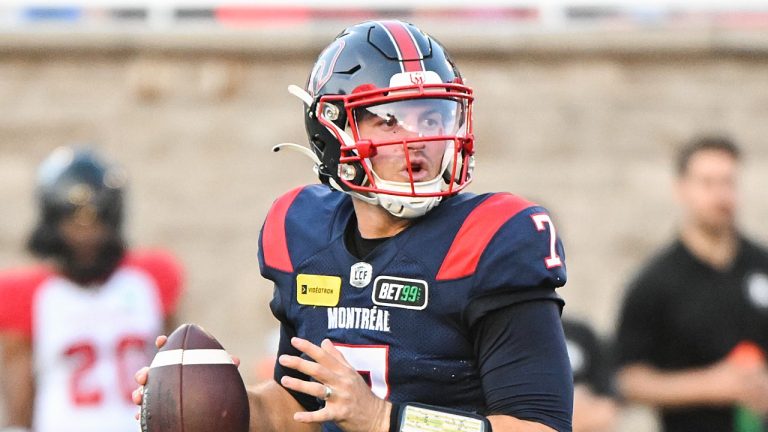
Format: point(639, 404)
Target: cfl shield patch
point(318, 290)
point(360, 274)
point(400, 292)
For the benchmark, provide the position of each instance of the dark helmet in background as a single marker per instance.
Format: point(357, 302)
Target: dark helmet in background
point(76, 182)
point(383, 64)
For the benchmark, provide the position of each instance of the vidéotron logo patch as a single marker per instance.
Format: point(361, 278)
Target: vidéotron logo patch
point(400, 292)
point(318, 290)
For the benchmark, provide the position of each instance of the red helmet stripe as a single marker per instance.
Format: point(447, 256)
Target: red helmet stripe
point(476, 233)
point(405, 44)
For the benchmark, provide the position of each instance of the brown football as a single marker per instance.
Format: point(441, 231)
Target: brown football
point(193, 386)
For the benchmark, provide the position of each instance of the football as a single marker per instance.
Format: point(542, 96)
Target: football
point(193, 386)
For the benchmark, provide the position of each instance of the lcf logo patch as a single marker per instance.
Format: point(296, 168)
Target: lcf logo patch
point(400, 292)
point(318, 290)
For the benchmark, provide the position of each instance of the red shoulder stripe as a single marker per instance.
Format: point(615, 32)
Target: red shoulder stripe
point(166, 272)
point(17, 293)
point(273, 238)
point(476, 232)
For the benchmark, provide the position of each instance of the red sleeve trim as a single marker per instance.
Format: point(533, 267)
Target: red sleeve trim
point(165, 271)
point(476, 232)
point(17, 292)
point(273, 238)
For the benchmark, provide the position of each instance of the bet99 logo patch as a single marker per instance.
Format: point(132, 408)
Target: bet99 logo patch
point(400, 292)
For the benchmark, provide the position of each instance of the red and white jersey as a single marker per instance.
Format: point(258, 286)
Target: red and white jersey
point(89, 341)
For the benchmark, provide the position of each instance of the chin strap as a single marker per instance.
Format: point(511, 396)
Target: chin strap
point(404, 206)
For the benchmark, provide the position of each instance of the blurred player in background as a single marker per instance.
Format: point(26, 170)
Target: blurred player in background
point(595, 408)
point(392, 288)
point(76, 327)
point(695, 321)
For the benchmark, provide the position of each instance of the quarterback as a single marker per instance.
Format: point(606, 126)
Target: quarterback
point(404, 304)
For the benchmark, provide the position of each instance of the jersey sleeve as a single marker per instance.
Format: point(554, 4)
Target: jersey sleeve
point(17, 291)
point(166, 272)
point(273, 239)
point(299, 223)
point(524, 364)
point(514, 253)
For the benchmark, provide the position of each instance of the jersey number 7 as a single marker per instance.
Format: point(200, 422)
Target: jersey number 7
point(542, 221)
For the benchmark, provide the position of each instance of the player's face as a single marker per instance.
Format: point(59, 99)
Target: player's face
point(708, 191)
point(84, 233)
point(400, 122)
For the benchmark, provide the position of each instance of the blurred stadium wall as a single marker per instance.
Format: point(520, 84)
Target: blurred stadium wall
point(579, 107)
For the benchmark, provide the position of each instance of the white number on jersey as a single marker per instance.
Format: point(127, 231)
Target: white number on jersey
point(540, 219)
point(370, 361)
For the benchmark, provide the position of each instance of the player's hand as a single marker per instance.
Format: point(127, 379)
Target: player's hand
point(352, 404)
point(143, 373)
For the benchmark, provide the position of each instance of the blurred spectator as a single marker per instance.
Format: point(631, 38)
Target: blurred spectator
point(594, 405)
point(74, 328)
point(695, 302)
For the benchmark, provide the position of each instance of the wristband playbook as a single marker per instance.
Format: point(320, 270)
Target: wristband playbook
point(416, 417)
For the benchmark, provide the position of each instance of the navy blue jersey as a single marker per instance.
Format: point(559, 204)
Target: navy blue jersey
point(404, 315)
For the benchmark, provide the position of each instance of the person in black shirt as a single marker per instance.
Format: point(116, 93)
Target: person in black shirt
point(694, 303)
point(595, 408)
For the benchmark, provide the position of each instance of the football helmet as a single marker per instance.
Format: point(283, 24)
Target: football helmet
point(391, 74)
point(76, 182)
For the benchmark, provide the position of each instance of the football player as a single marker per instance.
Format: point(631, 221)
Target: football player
point(404, 304)
point(74, 328)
